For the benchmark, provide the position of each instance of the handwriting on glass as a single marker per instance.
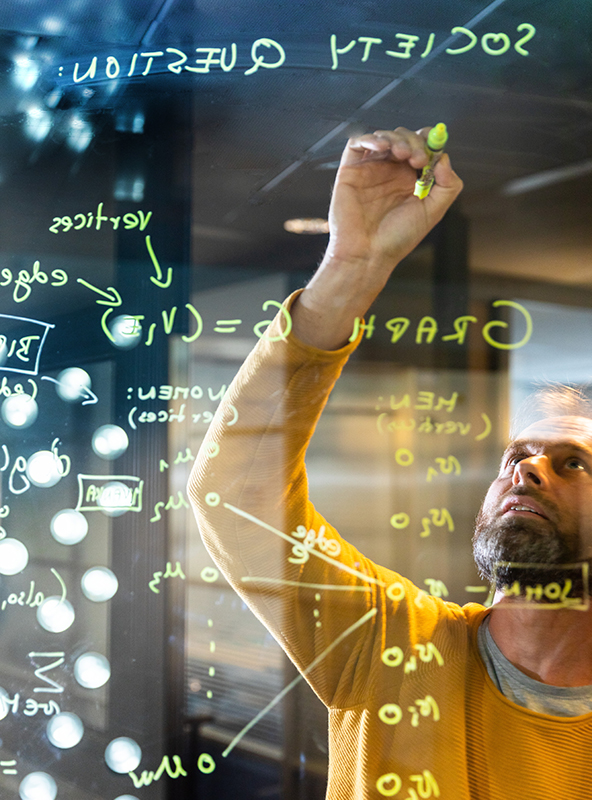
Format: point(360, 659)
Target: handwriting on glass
point(264, 53)
point(168, 573)
point(493, 44)
point(311, 538)
point(427, 328)
point(90, 220)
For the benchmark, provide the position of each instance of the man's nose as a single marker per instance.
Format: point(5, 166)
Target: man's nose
point(531, 470)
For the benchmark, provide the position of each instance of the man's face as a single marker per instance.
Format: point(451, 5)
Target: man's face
point(539, 508)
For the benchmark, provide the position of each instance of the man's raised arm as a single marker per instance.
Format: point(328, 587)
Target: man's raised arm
point(249, 485)
point(374, 221)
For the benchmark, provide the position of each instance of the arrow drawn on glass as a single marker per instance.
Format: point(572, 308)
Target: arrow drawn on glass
point(112, 295)
point(90, 396)
point(113, 299)
point(158, 280)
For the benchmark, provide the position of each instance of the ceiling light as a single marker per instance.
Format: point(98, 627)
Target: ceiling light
point(72, 384)
point(80, 134)
point(68, 526)
point(55, 614)
point(25, 72)
point(126, 331)
point(307, 225)
point(14, 556)
point(550, 176)
point(53, 25)
point(92, 670)
point(44, 468)
point(123, 754)
point(110, 441)
point(116, 498)
point(129, 188)
point(37, 123)
point(65, 730)
point(38, 786)
point(99, 584)
point(19, 410)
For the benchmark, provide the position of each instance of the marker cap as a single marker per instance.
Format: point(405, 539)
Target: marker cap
point(437, 137)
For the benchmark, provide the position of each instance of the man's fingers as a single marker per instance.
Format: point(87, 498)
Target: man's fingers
point(445, 176)
point(404, 145)
point(447, 184)
point(400, 144)
point(360, 147)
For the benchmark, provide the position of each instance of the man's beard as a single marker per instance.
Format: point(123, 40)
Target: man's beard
point(499, 542)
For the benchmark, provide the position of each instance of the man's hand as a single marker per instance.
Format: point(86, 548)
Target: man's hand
point(374, 221)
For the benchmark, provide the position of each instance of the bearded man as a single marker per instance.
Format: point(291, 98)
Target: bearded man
point(426, 698)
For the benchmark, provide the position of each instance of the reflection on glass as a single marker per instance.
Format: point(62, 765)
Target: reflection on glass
point(55, 614)
point(38, 123)
point(4, 707)
point(38, 786)
point(99, 584)
point(14, 556)
point(116, 498)
point(92, 670)
point(25, 72)
point(73, 383)
point(109, 441)
point(65, 730)
point(19, 410)
point(126, 331)
point(80, 133)
point(44, 469)
point(123, 754)
point(69, 526)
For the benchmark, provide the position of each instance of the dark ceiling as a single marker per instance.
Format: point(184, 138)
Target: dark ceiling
point(264, 140)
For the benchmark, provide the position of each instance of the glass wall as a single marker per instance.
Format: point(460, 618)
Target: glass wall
point(165, 173)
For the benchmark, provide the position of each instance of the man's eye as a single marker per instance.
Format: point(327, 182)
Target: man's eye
point(575, 463)
point(515, 459)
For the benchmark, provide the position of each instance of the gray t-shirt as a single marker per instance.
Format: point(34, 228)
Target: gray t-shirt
point(559, 701)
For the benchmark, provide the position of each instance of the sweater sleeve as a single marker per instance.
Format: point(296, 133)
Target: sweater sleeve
point(323, 601)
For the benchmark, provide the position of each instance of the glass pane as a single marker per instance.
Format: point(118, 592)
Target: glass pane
point(166, 170)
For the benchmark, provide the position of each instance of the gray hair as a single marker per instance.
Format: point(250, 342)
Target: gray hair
point(552, 400)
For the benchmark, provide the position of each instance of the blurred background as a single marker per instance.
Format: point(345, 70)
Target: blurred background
point(165, 173)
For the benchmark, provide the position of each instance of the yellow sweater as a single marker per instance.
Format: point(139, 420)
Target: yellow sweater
point(412, 711)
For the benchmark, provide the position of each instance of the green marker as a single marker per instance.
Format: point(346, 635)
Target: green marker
point(437, 138)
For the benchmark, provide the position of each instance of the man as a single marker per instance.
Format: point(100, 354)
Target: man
point(425, 698)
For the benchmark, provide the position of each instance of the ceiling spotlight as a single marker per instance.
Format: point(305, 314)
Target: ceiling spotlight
point(99, 584)
point(4, 704)
point(307, 225)
point(110, 441)
point(14, 556)
point(116, 498)
point(80, 133)
point(92, 670)
point(68, 526)
point(128, 121)
point(44, 468)
point(129, 188)
point(19, 410)
point(53, 25)
point(123, 754)
point(72, 384)
point(38, 786)
point(55, 614)
point(126, 332)
point(65, 730)
point(25, 72)
point(38, 123)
